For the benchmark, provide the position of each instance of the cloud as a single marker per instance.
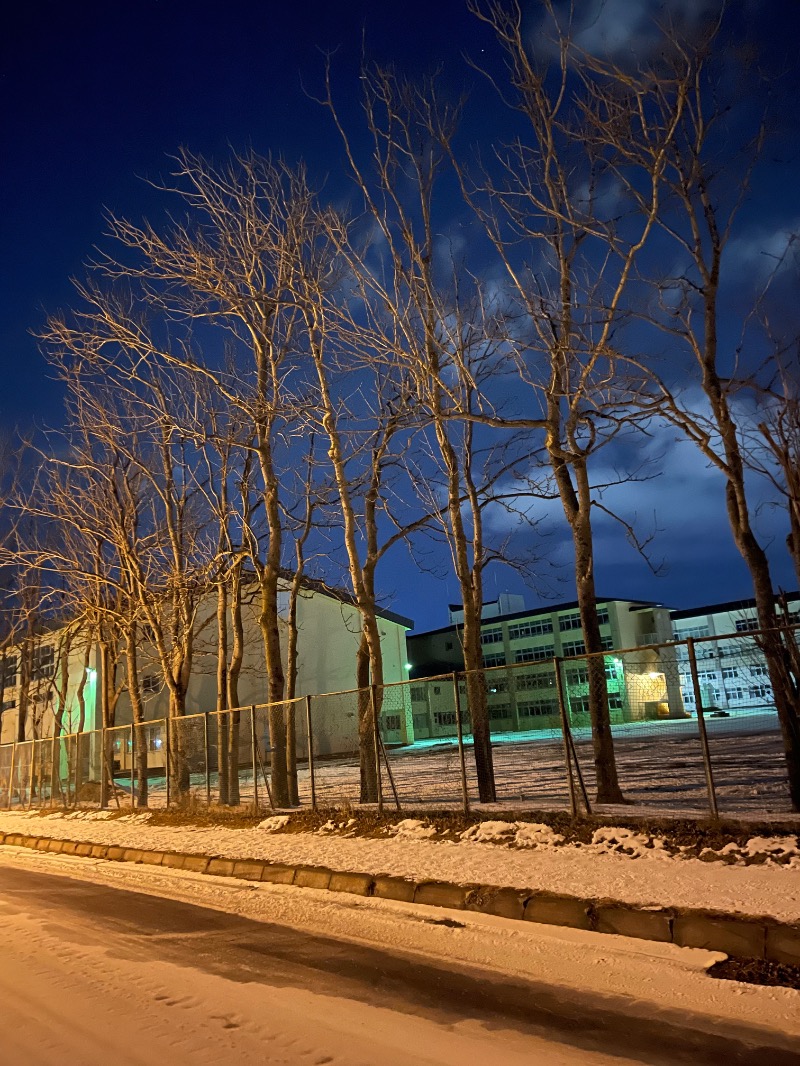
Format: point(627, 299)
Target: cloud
point(763, 254)
point(633, 29)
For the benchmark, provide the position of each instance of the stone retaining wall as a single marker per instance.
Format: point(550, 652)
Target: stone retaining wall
point(741, 937)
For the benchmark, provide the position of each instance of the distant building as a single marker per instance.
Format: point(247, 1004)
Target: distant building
point(329, 629)
point(732, 671)
point(518, 652)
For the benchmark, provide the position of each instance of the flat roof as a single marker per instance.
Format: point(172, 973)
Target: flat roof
point(635, 605)
point(730, 606)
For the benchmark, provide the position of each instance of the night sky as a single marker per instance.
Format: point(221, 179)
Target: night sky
point(94, 96)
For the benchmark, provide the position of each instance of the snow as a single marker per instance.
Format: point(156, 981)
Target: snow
point(619, 863)
point(69, 1001)
point(643, 979)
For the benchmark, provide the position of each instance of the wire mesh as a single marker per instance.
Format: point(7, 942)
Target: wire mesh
point(6, 765)
point(656, 742)
point(421, 761)
point(247, 756)
point(343, 746)
point(741, 721)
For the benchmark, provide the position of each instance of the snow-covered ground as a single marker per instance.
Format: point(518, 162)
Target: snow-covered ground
point(78, 998)
point(619, 864)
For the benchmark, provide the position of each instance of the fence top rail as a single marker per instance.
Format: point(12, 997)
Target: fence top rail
point(554, 662)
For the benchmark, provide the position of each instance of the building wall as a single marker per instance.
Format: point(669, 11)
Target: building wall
point(518, 652)
point(732, 671)
point(42, 697)
point(327, 643)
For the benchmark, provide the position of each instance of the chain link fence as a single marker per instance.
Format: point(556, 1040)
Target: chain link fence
point(693, 725)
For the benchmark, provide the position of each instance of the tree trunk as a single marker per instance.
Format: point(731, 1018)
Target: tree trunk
point(366, 725)
point(783, 678)
point(222, 691)
point(577, 509)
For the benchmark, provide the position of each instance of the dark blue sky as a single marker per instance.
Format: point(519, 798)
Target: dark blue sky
point(93, 96)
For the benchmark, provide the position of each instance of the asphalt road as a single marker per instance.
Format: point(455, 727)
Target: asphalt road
point(131, 927)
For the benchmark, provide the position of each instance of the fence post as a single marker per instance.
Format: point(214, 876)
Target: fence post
point(373, 698)
point(310, 737)
point(254, 743)
point(701, 728)
point(167, 731)
point(104, 790)
point(31, 774)
point(133, 762)
point(53, 771)
point(562, 710)
point(460, 734)
point(208, 764)
point(11, 775)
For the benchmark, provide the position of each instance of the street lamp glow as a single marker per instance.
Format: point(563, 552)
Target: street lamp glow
point(407, 666)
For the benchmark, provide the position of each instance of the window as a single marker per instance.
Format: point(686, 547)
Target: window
point(437, 690)
point(8, 672)
point(760, 692)
point(502, 710)
point(735, 693)
point(569, 621)
point(573, 647)
point(420, 722)
point(391, 722)
point(8, 705)
point(612, 671)
point(707, 677)
point(492, 636)
point(580, 706)
point(526, 682)
point(602, 616)
point(607, 643)
point(578, 675)
point(444, 717)
point(759, 671)
point(692, 631)
point(43, 662)
point(495, 659)
point(729, 673)
point(530, 629)
point(448, 645)
point(417, 694)
point(615, 703)
point(533, 655)
point(151, 684)
point(495, 685)
point(537, 708)
point(746, 625)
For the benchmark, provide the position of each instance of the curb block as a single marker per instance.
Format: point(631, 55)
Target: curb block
point(559, 910)
point(641, 925)
point(744, 937)
point(442, 894)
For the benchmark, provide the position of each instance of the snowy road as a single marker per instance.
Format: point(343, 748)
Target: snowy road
point(94, 972)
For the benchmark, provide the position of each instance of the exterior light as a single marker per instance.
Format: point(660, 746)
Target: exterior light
point(652, 675)
point(407, 666)
point(90, 673)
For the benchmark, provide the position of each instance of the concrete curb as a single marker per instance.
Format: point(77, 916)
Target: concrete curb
point(741, 937)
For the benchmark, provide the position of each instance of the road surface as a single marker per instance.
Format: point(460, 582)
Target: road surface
point(93, 974)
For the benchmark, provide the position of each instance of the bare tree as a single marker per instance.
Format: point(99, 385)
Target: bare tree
point(706, 178)
point(570, 259)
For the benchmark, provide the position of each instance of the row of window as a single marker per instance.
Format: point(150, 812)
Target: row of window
point(538, 627)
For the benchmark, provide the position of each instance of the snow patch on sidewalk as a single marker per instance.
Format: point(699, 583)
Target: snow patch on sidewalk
point(618, 864)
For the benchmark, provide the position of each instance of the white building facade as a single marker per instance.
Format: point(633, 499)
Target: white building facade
point(731, 669)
